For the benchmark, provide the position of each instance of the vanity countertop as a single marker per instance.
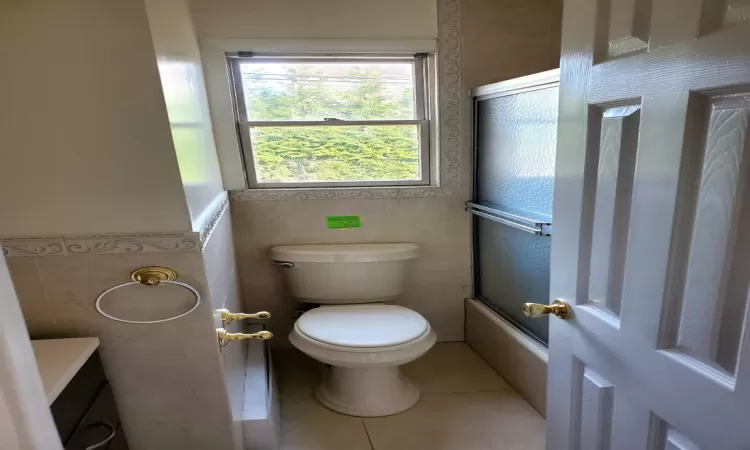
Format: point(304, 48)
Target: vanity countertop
point(59, 360)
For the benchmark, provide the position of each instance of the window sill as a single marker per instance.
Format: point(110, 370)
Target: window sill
point(403, 192)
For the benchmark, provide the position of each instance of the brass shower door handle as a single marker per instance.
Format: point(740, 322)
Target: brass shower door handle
point(558, 308)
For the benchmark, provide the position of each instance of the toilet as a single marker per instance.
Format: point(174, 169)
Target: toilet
point(351, 328)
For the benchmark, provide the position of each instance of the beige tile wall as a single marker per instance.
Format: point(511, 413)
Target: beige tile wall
point(520, 360)
point(165, 377)
point(224, 292)
point(440, 277)
point(321, 19)
point(504, 39)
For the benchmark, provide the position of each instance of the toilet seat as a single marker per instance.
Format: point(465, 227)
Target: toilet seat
point(323, 334)
point(368, 326)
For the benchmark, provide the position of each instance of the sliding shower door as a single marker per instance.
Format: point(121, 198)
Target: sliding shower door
point(514, 169)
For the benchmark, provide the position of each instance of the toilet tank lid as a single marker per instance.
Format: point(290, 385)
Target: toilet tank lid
point(344, 253)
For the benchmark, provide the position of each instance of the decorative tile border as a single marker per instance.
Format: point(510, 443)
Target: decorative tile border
point(101, 245)
point(114, 244)
point(33, 247)
point(138, 243)
point(282, 194)
point(343, 193)
point(368, 193)
point(213, 219)
point(449, 110)
point(449, 117)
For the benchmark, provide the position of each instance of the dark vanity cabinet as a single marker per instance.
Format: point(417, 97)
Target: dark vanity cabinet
point(85, 412)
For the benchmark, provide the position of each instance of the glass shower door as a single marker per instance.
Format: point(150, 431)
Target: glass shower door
point(514, 170)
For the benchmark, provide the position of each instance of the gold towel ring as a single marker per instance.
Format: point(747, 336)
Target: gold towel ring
point(150, 276)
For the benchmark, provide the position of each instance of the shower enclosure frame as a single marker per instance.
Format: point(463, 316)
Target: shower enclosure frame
point(540, 225)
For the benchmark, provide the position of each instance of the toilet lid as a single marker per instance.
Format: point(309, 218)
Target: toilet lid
point(362, 325)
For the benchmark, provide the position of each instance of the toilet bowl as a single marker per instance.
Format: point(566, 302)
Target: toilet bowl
point(350, 328)
point(364, 344)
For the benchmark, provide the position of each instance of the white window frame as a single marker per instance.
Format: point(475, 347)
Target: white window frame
point(424, 112)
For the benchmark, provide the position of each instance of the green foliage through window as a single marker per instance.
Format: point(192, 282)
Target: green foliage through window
point(287, 91)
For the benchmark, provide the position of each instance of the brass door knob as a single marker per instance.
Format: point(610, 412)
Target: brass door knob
point(558, 308)
point(225, 338)
point(228, 317)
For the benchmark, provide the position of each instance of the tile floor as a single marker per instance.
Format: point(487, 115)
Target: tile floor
point(465, 405)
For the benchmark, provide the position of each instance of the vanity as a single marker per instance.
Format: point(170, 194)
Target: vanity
point(79, 394)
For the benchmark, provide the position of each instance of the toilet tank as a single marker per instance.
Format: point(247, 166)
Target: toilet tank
point(344, 273)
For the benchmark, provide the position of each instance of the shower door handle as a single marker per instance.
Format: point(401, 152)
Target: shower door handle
point(558, 308)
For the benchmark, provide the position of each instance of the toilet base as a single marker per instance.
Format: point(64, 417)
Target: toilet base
point(367, 392)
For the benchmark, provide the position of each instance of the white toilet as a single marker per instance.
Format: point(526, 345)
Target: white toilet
point(363, 339)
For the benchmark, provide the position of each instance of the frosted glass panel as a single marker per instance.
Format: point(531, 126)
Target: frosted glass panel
point(516, 139)
point(513, 270)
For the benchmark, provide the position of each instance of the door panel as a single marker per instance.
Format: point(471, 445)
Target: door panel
point(704, 316)
point(25, 418)
point(674, 440)
point(597, 396)
point(651, 198)
point(614, 185)
point(629, 23)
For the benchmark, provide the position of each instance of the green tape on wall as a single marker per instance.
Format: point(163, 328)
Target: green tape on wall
point(344, 221)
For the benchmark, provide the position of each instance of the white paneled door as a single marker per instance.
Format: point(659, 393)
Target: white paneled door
point(25, 419)
point(651, 241)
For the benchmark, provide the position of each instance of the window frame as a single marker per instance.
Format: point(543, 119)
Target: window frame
point(424, 111)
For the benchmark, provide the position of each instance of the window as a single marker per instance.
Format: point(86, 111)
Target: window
point(332, 121)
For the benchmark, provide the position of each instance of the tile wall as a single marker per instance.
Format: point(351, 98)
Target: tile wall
point(167, 377)
point(440, 278)
point(515, 356)
point(504, 39)
point(224, 291)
